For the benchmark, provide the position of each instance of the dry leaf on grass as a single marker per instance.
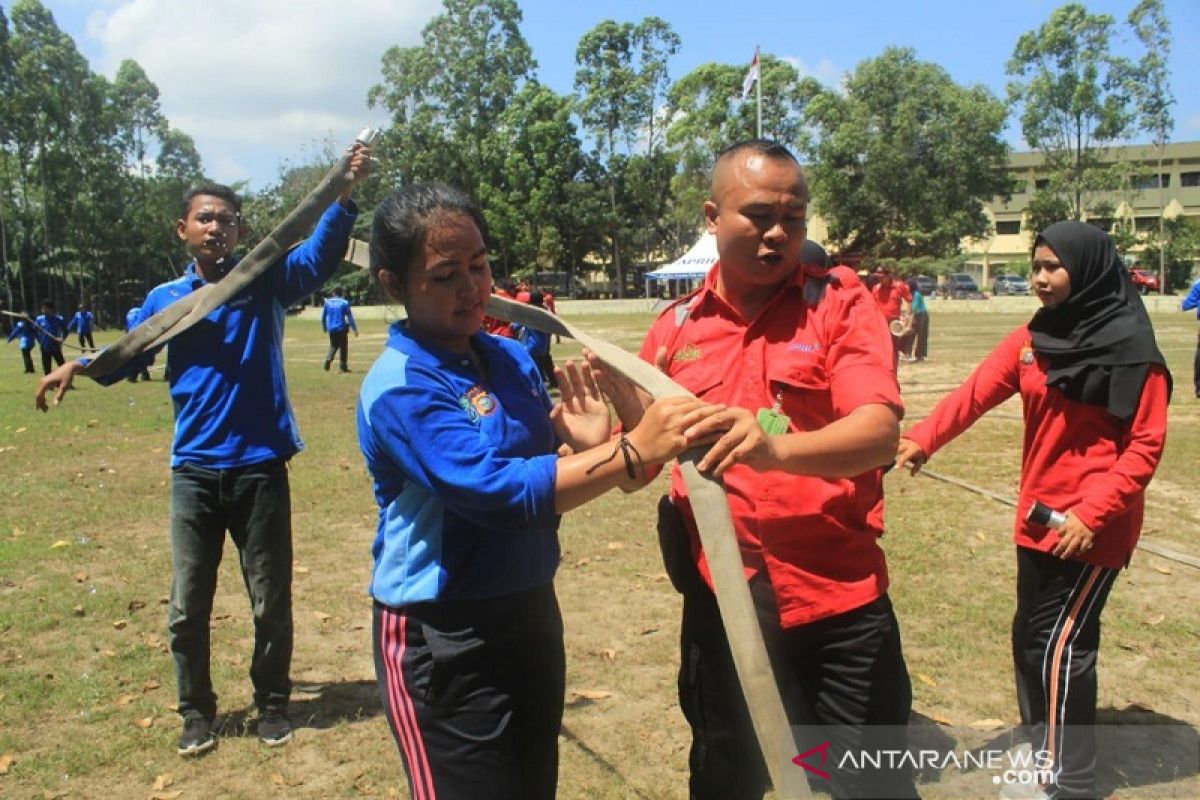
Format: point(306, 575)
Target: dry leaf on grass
point(591, 694)
point(163, 781)
point(322, 616)
point(136, 605)
point(1156, 620)
point(1162, 570)
point(60, 544)
point(124, 700)
point(940, 719)
point(144, 722)
point(150, 685)
point(81, 576)
point(616, 545)
point(277, 778)
point(78, 611)
point(925, 679)
point(989, 724)
point(120, 624)
point(172, 795)
point(6, 761)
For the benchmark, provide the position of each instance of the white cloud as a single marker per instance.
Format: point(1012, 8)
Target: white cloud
point(266, 76)
point(828, 73)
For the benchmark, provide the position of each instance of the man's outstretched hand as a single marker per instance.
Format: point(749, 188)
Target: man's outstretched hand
point(59, 381)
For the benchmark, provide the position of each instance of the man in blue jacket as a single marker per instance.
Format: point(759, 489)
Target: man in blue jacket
point(82, 323)
point(234, 434)
point(24, 334)
point(1192, 303)
point(51, 330)
point(133, 318)
point(337, 320)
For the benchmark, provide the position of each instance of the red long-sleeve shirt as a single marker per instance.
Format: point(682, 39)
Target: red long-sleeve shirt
point(819, 358)
point(1075, 457)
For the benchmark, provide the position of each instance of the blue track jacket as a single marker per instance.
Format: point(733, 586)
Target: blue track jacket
point(82, 322)
point(24, 334)
point(48, 327)
point(226, 371)
point(464, 471)
point(336, 316)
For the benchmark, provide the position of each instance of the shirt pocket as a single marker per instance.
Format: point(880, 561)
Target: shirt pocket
point(701, 380)
point(801, 387)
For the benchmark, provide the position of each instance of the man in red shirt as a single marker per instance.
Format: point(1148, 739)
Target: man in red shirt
point(892, 298)
point(800, 358)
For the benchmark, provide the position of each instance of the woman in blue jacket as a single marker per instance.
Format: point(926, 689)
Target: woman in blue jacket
point(472, 466)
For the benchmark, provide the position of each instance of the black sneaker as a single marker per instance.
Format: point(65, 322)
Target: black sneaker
point(274, 727)
point(197, 736)
point(327, 363)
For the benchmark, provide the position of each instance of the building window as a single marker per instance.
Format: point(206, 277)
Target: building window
point(1041, 183)
point(1103, 223)
point(1189, 179)
point(1150, 182)
point(1143, 224)
point(1008, 227)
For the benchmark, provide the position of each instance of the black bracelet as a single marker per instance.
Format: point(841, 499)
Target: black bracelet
point(629, 452)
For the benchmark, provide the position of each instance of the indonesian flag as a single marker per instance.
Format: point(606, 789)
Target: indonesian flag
point(751, 76)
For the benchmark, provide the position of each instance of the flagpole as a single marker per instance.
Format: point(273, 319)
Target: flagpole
point(758, 91)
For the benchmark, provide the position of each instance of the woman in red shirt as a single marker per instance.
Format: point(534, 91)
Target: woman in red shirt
point(1094, 388)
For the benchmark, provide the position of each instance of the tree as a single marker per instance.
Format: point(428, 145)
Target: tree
point(906, 158)
point(1181, 250)
point(1152, 93)
point(707, 115)
point(447, 94)
point(621, 74)
point(529, 211)
point(1074, 96)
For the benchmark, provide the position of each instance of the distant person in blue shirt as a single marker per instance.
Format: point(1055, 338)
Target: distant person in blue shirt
point(234, 434)
point(537, 343)
point(1192, 303)
point(51, 329)
point(23, 332)
point(82, 323)
point(133, 318)
point(338, 320)
point(463, 445)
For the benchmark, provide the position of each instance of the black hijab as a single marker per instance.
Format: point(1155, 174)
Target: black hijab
point(1099, 341)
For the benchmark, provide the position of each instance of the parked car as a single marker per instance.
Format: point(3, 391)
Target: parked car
point(1144, 281)
point(959, 285)
point(926, 285)
point(1010, 284)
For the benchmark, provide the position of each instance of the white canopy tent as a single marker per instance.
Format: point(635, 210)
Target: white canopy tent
point(691, 266)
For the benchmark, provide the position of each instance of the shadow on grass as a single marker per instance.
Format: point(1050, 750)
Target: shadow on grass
point(1135, 747)
point(600, 761)
point(320, 706)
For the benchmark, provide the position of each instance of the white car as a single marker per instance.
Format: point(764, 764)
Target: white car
point(1010, 284)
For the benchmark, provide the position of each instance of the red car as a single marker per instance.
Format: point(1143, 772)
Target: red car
point(1144, 280)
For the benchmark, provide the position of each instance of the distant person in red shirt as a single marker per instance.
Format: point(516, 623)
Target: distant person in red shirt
point(799, 357)
point(1095, 389)
point(524, 292)
point(895, 301)
point(499, 327)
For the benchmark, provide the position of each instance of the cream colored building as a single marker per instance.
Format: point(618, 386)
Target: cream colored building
point(1138, 206)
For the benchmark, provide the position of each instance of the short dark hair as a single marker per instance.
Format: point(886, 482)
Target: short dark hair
point(406, 216)
point(764, 147)
point(48, 304)
point(337, 292)
point(212, 190)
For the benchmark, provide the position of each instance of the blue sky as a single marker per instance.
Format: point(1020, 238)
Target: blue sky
point(260, 83)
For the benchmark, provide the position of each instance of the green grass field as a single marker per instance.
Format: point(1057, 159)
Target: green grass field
point(87, 690)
